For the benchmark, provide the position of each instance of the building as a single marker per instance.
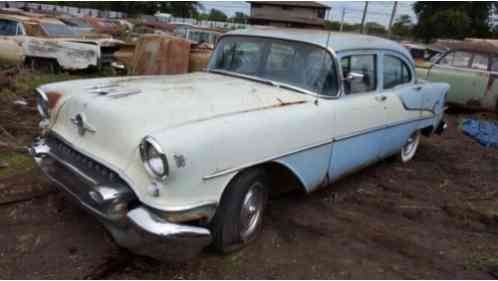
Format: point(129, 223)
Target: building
point(288, 13)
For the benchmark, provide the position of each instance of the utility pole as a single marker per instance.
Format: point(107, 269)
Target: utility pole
point(364, 17)
point(392, 16)
point(342, 18)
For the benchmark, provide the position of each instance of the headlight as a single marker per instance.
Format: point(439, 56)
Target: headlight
point(154, 159)
point(42, 104)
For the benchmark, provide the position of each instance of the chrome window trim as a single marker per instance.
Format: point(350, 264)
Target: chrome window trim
point(359, 52)
point(412, 71)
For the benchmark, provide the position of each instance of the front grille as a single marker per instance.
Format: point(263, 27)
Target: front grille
point(96, 171)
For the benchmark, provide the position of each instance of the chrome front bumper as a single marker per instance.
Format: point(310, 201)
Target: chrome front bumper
point(131, 224)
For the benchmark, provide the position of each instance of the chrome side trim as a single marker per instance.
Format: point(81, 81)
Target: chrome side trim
point(336, 139)
point(228, 171)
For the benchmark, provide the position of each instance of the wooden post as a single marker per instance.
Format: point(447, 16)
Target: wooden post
point(364, 17)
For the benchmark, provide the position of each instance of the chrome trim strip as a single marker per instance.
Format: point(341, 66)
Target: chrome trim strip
point(336, 139)
point(228, 171)
point(378, 128)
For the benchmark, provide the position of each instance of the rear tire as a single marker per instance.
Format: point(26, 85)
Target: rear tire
point(409, 150)
point(239, 217)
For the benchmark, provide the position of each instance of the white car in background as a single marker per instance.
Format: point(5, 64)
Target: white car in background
point(171, 164)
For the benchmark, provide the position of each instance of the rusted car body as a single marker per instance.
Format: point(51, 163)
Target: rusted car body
point(156, 54)
point(471, 68)
point(104, 26)
point(25, 39)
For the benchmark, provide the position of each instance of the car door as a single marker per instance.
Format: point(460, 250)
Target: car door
point(359, 115)
point(455, 68)
point(403, 101)
point(11, 51)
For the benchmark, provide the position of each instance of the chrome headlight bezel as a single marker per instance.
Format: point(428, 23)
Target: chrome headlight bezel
point(42, 104)
point(150, 143)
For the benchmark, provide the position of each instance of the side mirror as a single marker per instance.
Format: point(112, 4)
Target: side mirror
point(353, 76)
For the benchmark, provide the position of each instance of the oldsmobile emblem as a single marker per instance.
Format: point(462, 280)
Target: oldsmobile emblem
point(83, 126)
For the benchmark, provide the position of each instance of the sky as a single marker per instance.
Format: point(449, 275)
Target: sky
point(378, 11)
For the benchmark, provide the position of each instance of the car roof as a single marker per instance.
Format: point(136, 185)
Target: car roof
point(338, 41)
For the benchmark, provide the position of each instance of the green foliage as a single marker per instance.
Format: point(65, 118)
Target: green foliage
point(239, 17)
point(177, 8)
point(403, 26)
point(453, 20)
point(17, 163)
point(217, 15)
point(336, 26)
point(375, 28)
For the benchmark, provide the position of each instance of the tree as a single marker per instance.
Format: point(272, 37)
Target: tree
point(375, 28)
point(182, 9)
point(217, 15)
point(453, 20)
point(403, 26)
point(239, 17)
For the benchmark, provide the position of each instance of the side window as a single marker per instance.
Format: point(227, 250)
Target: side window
point(480, 62)
point(396, 72)
point(494, 64)
point(447, 59)
point(359, 64)
point(461, 59)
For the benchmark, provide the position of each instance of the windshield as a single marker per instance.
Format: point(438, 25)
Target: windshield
point(293, 63)
point(8, 28)
point(58, 30)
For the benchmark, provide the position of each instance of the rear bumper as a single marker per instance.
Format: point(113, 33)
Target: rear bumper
point(131, 224)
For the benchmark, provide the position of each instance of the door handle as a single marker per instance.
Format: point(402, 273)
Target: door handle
point(417, 88)
point(380, 98)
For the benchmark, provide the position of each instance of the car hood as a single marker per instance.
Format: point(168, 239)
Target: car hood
point(120, 112)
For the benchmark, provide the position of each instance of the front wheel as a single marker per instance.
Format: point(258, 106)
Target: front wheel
point(239, 217)
point(410, 148)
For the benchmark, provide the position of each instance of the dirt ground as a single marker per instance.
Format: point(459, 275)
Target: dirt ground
point(433, 218)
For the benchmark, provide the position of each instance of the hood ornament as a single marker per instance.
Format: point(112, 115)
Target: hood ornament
point(83, 126)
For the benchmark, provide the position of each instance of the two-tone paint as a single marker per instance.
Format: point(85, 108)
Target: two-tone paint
point(221, 125)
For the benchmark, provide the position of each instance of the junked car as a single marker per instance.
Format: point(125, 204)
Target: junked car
point(172, 164)
point(471, 68)
point(47, 41)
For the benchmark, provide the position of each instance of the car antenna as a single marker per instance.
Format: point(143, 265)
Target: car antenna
point(323, 60)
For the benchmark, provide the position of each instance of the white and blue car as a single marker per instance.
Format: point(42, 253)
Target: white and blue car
point(172, 164)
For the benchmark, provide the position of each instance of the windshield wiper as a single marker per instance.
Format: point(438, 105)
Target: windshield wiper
point(262, 80)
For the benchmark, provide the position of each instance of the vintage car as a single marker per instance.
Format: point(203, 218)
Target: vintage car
point(471, 68)
point(42, 41)
point(172, 164)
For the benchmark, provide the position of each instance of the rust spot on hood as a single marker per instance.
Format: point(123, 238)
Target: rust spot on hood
point(282, 103)
point(53, 98)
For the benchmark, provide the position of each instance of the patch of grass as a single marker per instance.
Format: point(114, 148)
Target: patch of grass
point(17, 163)
point(25, 83)
point(482, 262)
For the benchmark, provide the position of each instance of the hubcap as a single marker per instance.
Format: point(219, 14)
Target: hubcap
point(411, 144)
point(251, 212)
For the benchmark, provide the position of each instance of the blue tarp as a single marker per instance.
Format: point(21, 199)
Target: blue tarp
point(485, 132)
